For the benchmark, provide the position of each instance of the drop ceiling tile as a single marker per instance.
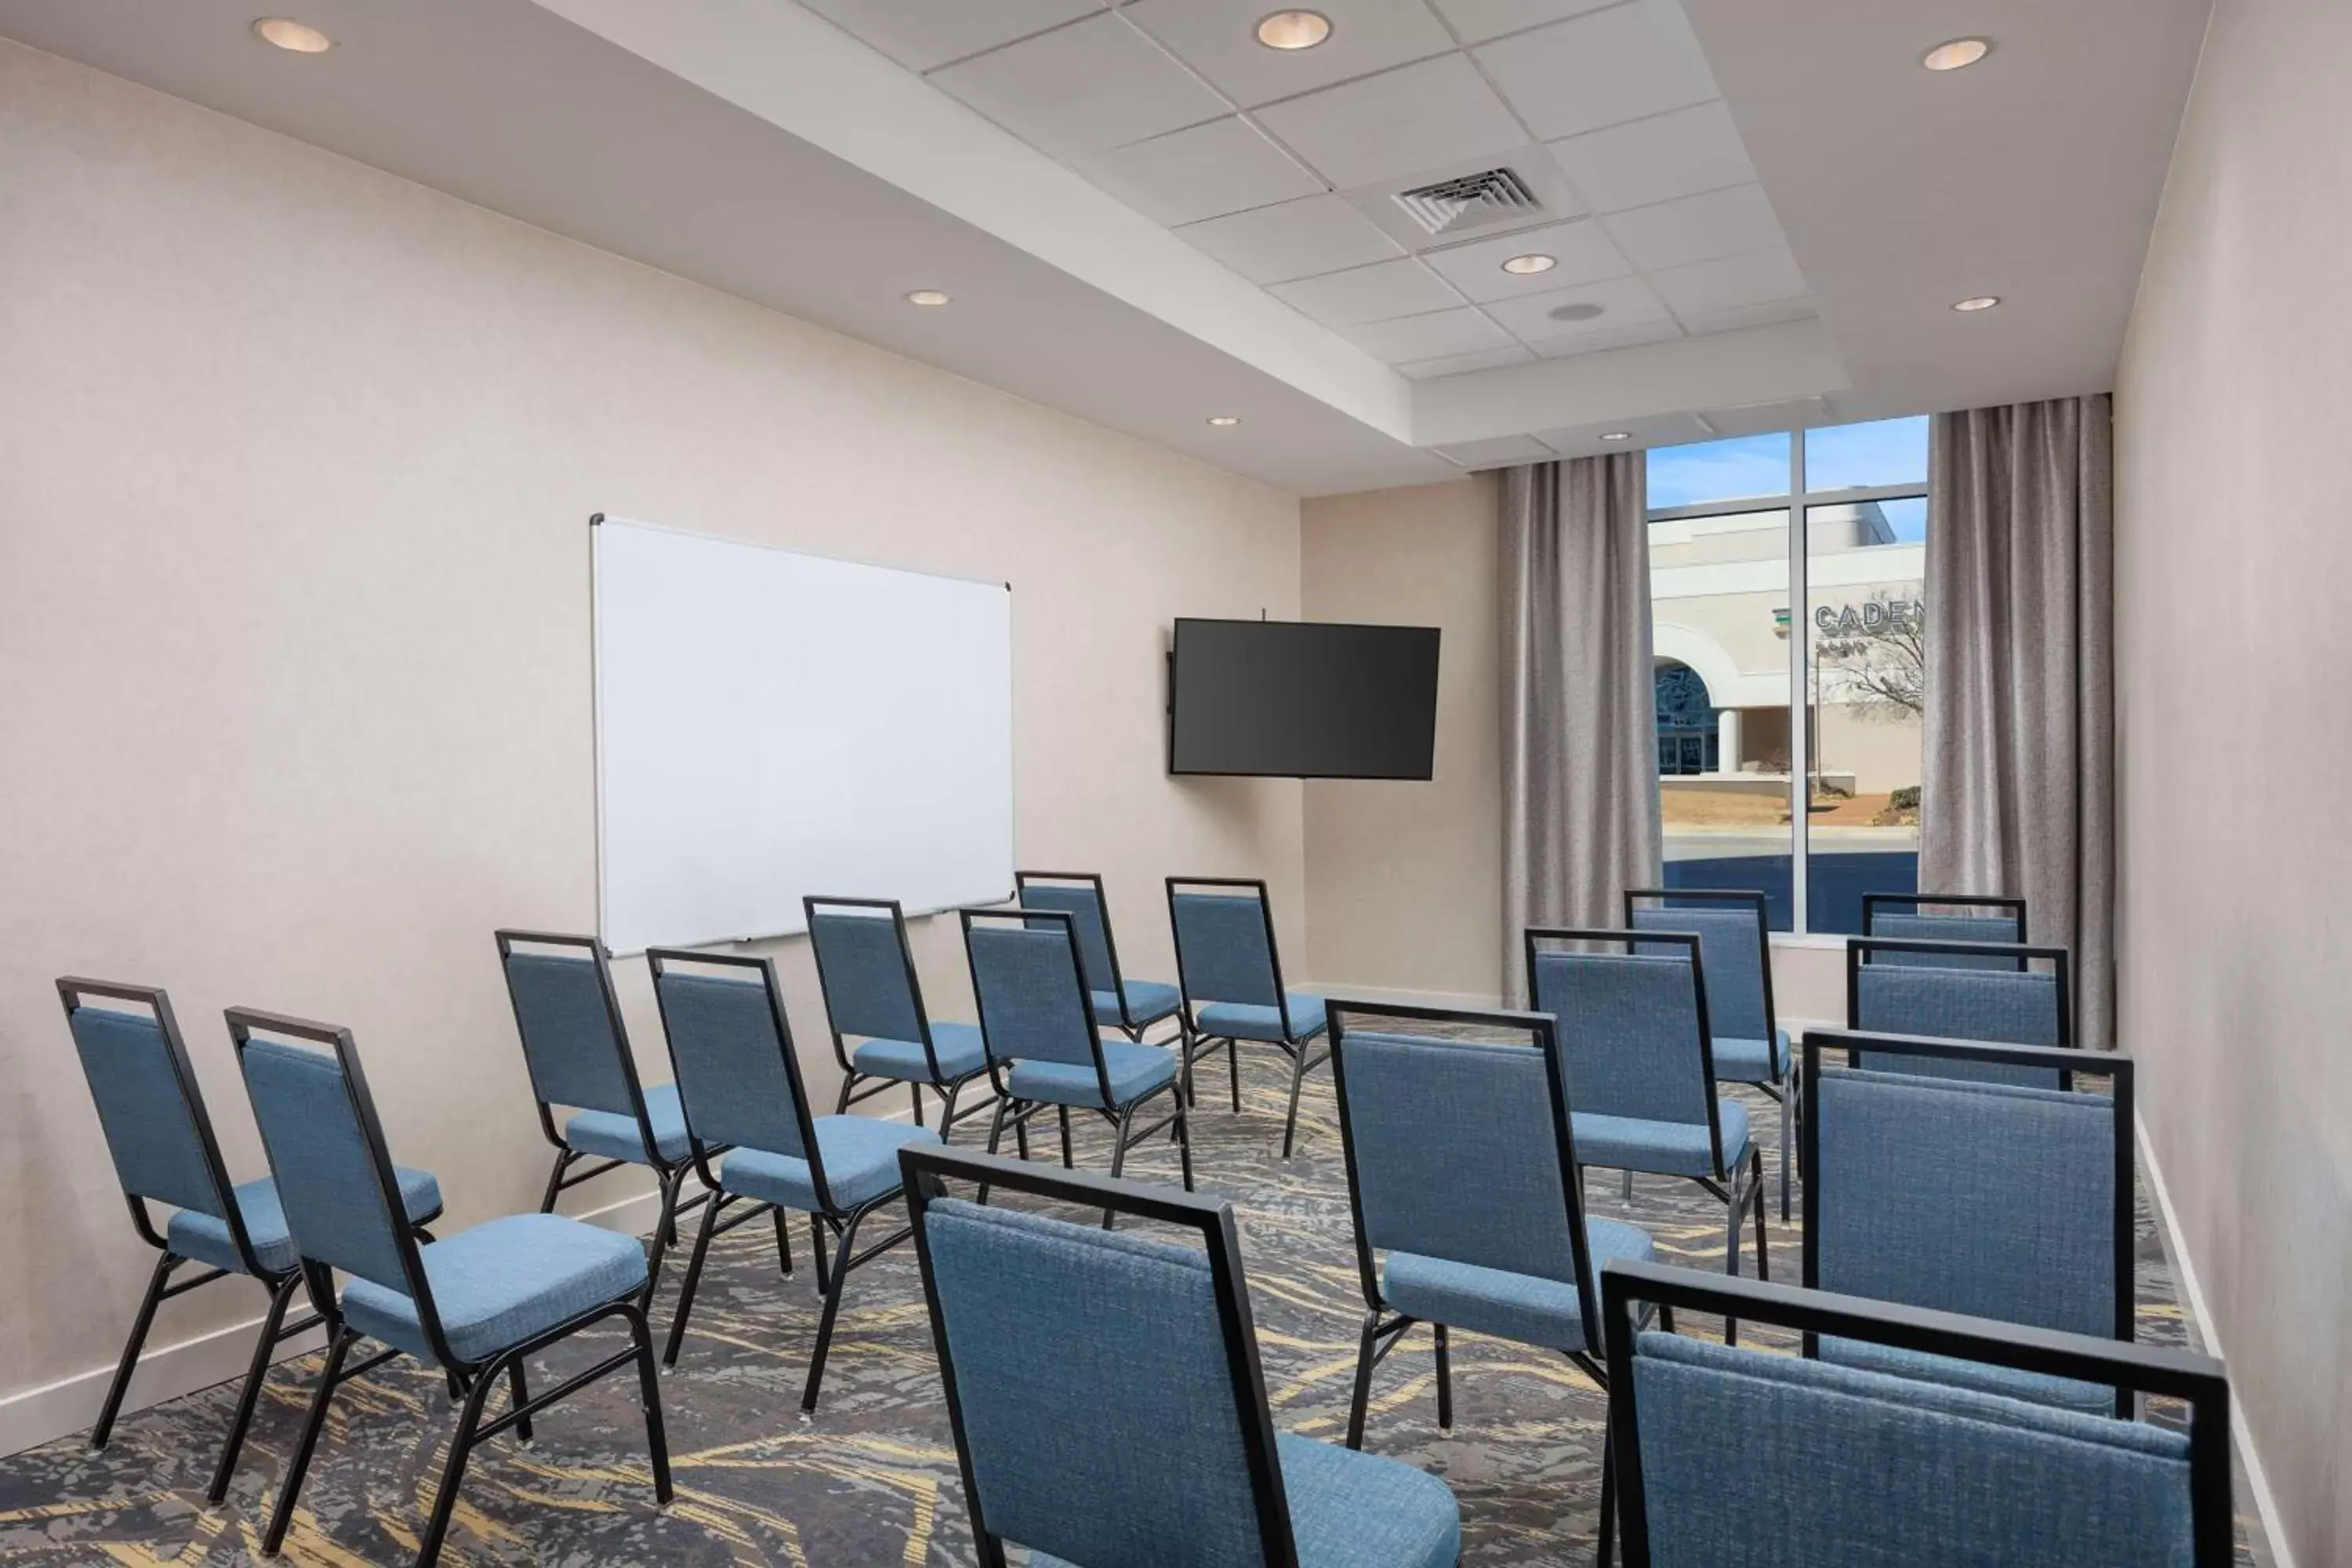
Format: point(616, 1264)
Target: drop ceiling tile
point(1501, 452)
point(1589, 72)
point(1441, 332)
point(1374, 293)
point(1594, 307)
point(1083, 88)
point(1584, 254)
point(1296, 239)
point(1417, 117)
point(924, 34)
point(1225, 166)
point(1697, 228)
point(1479, 20)
point(1656, 160)
point(1731, 320)
point(1457, 364)
point(1730, 283)
point(1218, 39)
point(1633, 334)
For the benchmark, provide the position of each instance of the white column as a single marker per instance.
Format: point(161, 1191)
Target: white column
point(1727, 738)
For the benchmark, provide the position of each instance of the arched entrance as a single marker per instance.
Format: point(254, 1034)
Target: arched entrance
point(1687, 732)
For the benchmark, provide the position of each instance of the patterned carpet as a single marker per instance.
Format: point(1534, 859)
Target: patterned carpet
point(871, 1479)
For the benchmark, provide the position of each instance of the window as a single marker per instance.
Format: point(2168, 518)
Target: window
point(1736, 756)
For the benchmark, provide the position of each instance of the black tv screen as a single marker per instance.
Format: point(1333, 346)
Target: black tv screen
point(1302, 700)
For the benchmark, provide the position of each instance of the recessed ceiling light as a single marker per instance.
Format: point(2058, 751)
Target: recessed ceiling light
point(928, 297)
point(1976, 302)
point(288, 34)
point(1525, 265)
point(1222, 420)
point(1293, 29)
point(1616, 435)
point(1958, 53)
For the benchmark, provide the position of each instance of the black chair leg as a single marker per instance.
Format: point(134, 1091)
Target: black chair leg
point(1124, 1125)
point(554, 1181)
point(693, 1279)
point(279, 1296)
point(1367, 1350)
point(521, 1393)
point(816, 1245)
point(840, 1106)
point(947, 1109)
point(461, 1447)
point(1298, 1077)
point(917, 1090)
point(649, 1395)
point(1444, 1381)
point(1234, 1071)
point(784, 1242)
point(833, 1289)
point(1068, 1164)
point(664, 1236)
point(289, 1486)
point(1184, 1138)
point(1763, 1260)
point(131, 1349)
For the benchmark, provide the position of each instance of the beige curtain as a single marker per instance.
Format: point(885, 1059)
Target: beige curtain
point(1579, 724)
point(2017, 789)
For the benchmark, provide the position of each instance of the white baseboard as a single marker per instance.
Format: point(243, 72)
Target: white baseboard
point(1469, 1000)
point(2200, 1334)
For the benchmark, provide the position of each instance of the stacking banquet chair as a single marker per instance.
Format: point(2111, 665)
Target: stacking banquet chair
point(1462, 1171)
point(1967, 1196)
point(1231, 976)
point(160, 1136)
point(578, 1052)
point(865, 967)
point(1944, 917)
point(1641, 1070)
point(1743, 1028)
point(2009, 995)
point(732, 1052)
point(475, 1304)
point(1130, 1007)
point(1107, 1404)
point(1043, 1047)
point(1733, 1459)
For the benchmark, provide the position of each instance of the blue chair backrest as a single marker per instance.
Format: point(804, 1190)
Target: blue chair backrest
point(1455, 1147)
point(861, 960)
point(735, 1078)
point(1630, 1033)
point(1096, 1390)
point(1731, 947)
point(1864, 1470)
point(1981, 1198)
point(154, 1128)
point(1025, 980)
point(568, 1042)
point(1223, 950)
point(1088, 923)
point(323, 1161)
point(1943, 928)
point(2017, 1007)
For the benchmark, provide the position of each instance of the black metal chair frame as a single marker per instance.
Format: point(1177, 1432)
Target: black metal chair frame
point(160, 1288)
point(1739, 1190)
point(1780, 1090)
point(1859, 949)
point(2195, 1380)
point(2013, 907)
point(1301, 1052)
point(843, 1221)
point(1014, 1112)
point(1127, 1024)
point(1856, 1044)
point(939, 1083)
point(670, 1174)
point(474, 1380)
point(927, 1171)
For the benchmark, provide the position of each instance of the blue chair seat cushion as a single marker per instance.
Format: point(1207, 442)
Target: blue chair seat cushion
point(2032, 1387)
point(205, 1239)
point(1147, 1002)
point(861, 1164)
point(610, 1135)
point(1134, 1072)
point(1667, 1148)
point(501, 1283)
point(1249, 1021)
point(1752, 1062)
point(958, 1047)
point(1524, 1307)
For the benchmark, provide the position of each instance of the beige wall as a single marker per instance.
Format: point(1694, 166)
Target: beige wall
point(2232, 468)
point(295, 461)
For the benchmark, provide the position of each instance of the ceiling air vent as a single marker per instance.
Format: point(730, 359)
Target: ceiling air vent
point(1469, 201)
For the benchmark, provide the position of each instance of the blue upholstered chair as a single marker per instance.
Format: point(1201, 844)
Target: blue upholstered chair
point(1107, 1404)
point(1044, 1046)
point(577, 1050)
point(474, 1304)
point(1462, 1175)
point(1231, 975)
point(732, 1050)
point(160, 1136)
point(865, 968)
point(1967, 1196)
point(1944, 917)
point(2009, 995)
point(1641, 1067)
point(1732, 1458)
point(1130, 1007)
point(1743, 1026)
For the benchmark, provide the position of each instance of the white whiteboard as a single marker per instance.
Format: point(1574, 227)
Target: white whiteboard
point(771, 724)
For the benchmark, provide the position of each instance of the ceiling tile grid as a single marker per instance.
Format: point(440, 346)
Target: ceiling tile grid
point(1285, 165)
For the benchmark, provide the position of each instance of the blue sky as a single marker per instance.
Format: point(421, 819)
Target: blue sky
point(1886, 452)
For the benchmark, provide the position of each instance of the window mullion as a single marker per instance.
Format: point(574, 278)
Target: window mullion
point(1800, 778)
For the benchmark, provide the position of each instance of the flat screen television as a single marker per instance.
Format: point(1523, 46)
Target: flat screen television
point(1303, 699)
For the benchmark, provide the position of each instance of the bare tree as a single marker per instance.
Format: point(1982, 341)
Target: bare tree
point(1875, 656)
